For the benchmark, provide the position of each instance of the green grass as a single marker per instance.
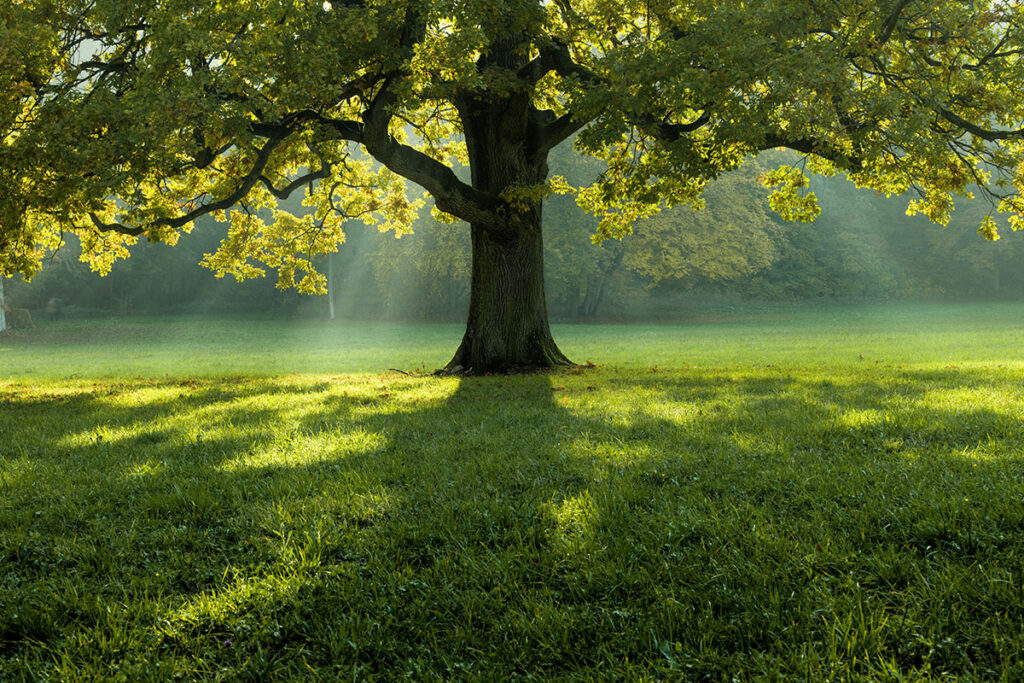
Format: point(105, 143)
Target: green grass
point(899, 334)
point(744, 498)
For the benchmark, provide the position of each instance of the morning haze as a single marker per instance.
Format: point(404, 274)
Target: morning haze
point(646, 388)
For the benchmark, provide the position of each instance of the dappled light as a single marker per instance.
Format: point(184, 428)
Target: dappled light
point(352, 521)
point(608, 410)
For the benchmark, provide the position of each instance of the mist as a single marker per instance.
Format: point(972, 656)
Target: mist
point(733, 255)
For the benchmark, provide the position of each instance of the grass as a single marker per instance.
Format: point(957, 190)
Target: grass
point(203, 347)
point(743, 499)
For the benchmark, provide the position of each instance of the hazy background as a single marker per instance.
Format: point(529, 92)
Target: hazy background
point(735, 253)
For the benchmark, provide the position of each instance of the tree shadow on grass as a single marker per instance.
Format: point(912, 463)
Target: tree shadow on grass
point(701, 524)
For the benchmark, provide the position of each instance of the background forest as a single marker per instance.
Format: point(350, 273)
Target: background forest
point(863, 247)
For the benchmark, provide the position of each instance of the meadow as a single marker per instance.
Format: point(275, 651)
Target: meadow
point(822, 494)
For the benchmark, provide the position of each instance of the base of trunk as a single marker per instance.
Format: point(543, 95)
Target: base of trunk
point(478, 355)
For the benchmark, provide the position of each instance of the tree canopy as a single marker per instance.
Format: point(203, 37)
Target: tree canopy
point(129, 118)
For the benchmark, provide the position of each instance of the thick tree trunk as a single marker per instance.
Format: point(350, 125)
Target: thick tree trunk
point(507, 329)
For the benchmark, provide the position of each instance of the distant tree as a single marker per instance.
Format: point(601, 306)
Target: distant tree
point(122, 118)
point(424, 275)
point(733, 236)
point(3, 306)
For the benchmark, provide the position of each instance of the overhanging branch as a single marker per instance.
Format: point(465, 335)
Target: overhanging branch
point(818, 148)
point(974, 129)
point(286, 191)
point(451, 195)
point(248, 182)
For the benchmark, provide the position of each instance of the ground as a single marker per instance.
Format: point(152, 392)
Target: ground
point(826, 493)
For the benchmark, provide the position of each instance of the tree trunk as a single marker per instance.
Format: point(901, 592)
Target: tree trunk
point(507, 328)
point(3, 306)
point(330, 287)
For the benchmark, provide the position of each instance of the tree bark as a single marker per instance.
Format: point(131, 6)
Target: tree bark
point(507, 329)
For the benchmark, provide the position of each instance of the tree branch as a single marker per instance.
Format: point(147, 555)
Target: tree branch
point(562, 63)
point(550, 130)
point(974, 129)
point(287, 190)
point(810, 146)
point(248, 182)
point(889, 25)
point(451, 195)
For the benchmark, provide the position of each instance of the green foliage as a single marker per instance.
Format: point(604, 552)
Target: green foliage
point(863, 246)
point(731, 238)
point(127, 118)
point(827, 517)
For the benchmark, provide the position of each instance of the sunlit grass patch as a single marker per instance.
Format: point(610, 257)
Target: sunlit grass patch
point(778, 520)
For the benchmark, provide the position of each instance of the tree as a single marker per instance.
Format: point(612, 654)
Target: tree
point(3, 307)
point(732, 237)
point(425, 275)
point(129, 118)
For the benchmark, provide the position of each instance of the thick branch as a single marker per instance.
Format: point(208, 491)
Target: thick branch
point(287, 190)
point(809, 146)
point(550, 130)
point(890, 23)
point(248, 182)
point(451, 195)
point(562, 63)
point(674, 131)
point(974, 129)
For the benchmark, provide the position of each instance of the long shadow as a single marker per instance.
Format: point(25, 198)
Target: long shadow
point(649, 526)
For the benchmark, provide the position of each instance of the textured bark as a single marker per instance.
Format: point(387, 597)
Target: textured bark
point(507, 329)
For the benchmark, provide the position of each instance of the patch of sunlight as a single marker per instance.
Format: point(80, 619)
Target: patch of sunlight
point(300, 449)
point(145, 469)
point(105, 435)
point(39, 390)
point(225, 420)
point(574, 519)
point(613, 451)
point(245, 593)
point(677, 413)
point(299, 524)
point(965, 399)
point(142, 396)
point(860, 417)
point(401, 397)
point(748, 441)
point(989, 450)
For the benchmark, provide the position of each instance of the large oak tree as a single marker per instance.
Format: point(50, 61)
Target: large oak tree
point(128, 118)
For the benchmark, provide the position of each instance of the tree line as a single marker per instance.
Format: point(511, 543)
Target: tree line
point(862, 247)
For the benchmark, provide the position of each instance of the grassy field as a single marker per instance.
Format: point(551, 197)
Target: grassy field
point(816, 494)
point(201, 347)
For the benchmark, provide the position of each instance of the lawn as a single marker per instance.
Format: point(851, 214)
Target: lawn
point(817, 494)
